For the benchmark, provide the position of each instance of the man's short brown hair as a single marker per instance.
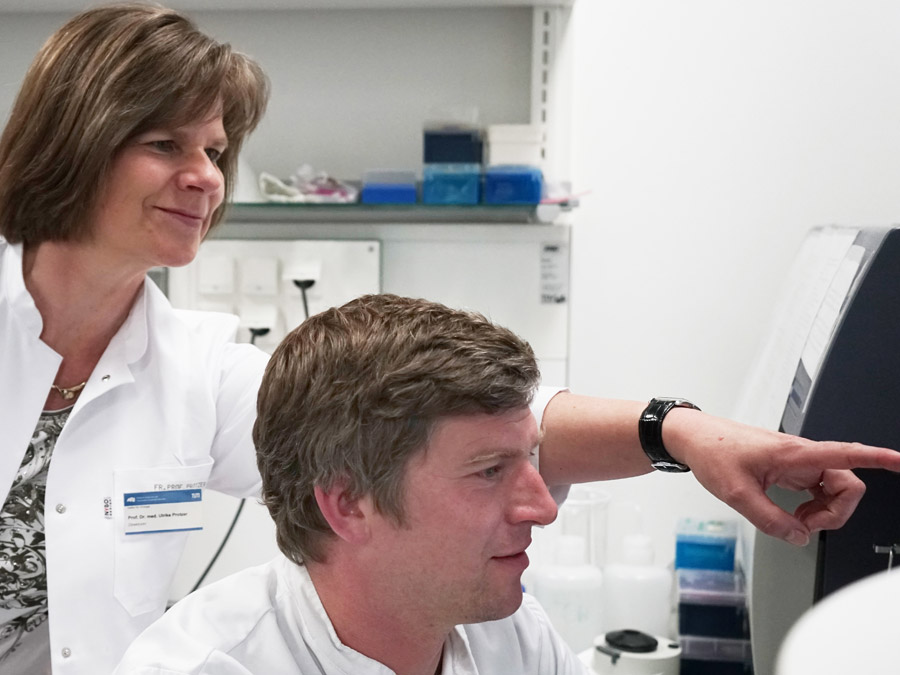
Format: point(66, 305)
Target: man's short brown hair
point(352, 394)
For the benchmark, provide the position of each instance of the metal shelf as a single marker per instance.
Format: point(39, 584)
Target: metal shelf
point(270, 212)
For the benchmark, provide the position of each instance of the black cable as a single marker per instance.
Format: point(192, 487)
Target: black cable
point(303, 284)
point(257, 332)
point(221, 546)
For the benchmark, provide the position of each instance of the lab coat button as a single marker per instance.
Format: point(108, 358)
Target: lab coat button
point(105, 378)
point(60, 508)
point(66, 652)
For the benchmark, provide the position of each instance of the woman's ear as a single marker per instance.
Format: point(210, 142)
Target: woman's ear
point(344, 513)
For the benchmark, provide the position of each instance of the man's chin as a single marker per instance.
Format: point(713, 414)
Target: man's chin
point(501, 608)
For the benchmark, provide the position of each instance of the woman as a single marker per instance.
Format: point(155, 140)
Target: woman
point(118, 156)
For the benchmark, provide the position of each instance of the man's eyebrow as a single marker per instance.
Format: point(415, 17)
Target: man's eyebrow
point(494, 455)
point(504, 453)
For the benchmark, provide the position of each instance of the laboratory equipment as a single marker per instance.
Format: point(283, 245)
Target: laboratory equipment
point(857, 626)
point(830, 370)
point(632, 652)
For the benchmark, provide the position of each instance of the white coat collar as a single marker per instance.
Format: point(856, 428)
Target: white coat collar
point(318, 629)
point(21, 303)
point(127, 346)
point(130, 342)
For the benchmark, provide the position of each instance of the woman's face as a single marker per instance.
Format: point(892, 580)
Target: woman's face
point(162, 191)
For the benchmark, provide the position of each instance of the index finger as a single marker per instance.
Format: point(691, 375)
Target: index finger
point(839, 455)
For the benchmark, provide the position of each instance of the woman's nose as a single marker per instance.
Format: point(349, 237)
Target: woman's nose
point(201, 173)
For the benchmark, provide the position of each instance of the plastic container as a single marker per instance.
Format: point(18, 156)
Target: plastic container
point(637, 593)
point(715, 656)
point(712, 603)
point(452, 143)
point(389, 186)
point(570, 591)
point(514, 144)
point(705, 544)
point(512, 184)
point(451, 184)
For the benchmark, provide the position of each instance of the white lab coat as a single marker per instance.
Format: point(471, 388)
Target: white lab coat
point(269, 619)
point(171, 401)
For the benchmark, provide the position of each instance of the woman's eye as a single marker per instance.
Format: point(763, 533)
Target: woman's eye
point(214, 155)
point(162, 146)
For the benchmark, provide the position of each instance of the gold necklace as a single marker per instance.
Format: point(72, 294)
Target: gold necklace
point(69, 393)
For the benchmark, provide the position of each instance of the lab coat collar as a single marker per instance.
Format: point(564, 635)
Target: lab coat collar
point(317, 627)
point(130, 342)
point(127, 346)
point(22, 306)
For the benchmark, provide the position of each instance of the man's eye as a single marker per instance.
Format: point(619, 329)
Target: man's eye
point(490, 472)
point(214, 155)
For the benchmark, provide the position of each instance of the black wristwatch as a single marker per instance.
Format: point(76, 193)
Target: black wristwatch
point(650, 433)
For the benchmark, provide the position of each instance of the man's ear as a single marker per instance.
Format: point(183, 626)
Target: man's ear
point(346, 515)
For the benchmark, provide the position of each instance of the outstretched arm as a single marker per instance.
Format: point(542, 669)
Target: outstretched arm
point(589, 439)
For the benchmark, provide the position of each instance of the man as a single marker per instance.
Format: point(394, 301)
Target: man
point(395, 443)
point(396, 446)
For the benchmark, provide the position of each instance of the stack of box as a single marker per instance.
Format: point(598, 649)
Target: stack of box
point(513, 174)
point(712, 601)
point(454, 171)
point(453, 160)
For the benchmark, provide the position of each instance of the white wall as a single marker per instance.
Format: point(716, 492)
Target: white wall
point(713, 134)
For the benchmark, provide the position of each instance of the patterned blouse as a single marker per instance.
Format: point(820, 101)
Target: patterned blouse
point(24, 639)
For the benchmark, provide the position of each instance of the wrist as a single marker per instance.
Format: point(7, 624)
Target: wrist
point(650, 432)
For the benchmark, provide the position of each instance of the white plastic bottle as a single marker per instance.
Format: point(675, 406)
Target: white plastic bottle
point(637, 593)
point(570, 590)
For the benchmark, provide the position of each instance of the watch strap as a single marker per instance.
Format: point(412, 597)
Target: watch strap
point(650, 433)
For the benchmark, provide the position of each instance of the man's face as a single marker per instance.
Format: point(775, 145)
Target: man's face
point(472, 497)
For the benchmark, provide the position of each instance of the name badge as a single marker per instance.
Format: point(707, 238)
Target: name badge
point(163, 511)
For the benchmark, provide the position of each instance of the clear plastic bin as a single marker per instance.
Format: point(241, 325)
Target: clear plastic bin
point(715, 656)
point(712, 603)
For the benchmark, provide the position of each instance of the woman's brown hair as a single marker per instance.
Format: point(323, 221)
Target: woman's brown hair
point(105, 76)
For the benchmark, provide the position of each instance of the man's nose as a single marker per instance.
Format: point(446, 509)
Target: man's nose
point(533, 501)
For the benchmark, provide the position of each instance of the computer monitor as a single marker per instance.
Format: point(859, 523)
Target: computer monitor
point(829, 370)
